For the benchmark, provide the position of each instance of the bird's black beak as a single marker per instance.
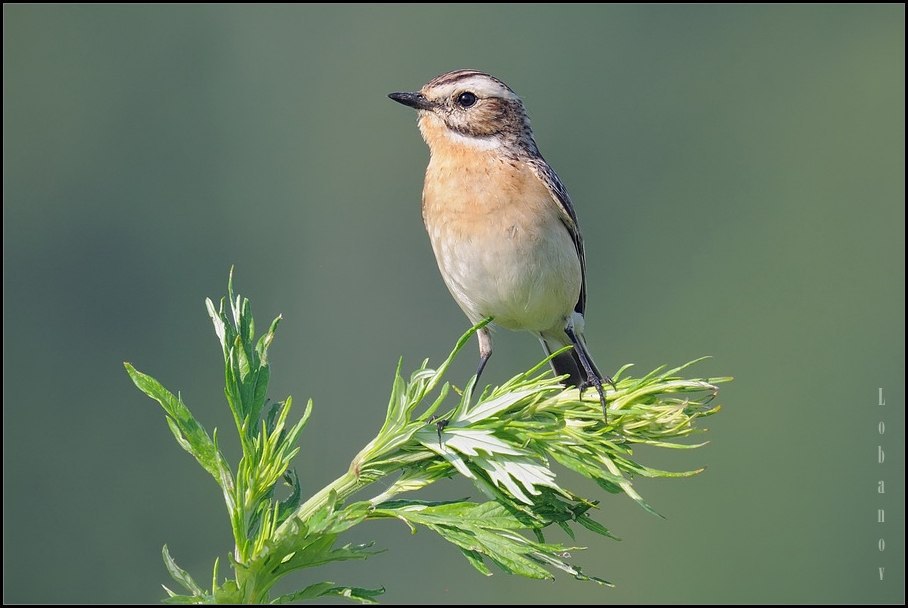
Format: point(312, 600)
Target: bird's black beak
point(414, 100)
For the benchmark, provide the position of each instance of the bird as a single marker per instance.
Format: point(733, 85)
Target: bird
point(500, 221)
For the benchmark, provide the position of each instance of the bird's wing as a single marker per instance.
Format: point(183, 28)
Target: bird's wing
point(560, 195)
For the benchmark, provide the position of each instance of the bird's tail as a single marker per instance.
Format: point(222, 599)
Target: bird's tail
point(569, 362)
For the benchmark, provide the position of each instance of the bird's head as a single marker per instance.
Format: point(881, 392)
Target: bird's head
point(469, 108)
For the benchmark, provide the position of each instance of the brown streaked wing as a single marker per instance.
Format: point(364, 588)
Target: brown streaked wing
point(568, 217)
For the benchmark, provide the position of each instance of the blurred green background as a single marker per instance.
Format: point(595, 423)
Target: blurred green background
point(739, 176)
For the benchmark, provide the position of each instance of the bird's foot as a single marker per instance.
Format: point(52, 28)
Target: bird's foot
point(593, 380)
point(440, 424)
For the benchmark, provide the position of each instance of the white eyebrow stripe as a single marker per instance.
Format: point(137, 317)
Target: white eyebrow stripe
point(483, 86)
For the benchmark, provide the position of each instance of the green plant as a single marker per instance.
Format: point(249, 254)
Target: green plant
point(504, 440)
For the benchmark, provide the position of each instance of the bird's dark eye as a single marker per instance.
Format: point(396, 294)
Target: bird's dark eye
point(466, 99)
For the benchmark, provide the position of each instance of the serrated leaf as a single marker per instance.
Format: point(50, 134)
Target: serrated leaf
point(189, 434)
point(228, 593)
point(590, 524)
point(360, 594)
point(320, 552)
point(494, 406)
point(489, 514)
point(504, 444)
point(510, 556)
point(310, 592)
point(470, 441)
point(487, 530)
point(509, 472)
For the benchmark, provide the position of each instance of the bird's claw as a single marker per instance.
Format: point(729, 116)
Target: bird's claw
point(440, 424)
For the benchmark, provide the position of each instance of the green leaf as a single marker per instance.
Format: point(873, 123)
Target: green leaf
point(321, 551)
point(492, 407)
point(267, 338)
point(289, 504)
point(503, 439)
point(228, 593)
point(310, 592)
point(488, 514)
point(475, 559)
point(180, 575)
point(364, 596)
point(457, 348)
point(590, 524)
point(488, 530)
point(189, 433)
point(179, 599)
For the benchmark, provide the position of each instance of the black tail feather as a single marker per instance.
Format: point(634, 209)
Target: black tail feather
point(568, 362)
point(578, 365)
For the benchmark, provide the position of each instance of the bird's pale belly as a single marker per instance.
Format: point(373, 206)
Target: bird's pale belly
point(526, 276)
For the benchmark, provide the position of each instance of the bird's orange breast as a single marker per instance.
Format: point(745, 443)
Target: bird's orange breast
point(498, 237)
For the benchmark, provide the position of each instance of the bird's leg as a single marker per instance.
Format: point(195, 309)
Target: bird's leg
point(591, 376)
point(485, 350)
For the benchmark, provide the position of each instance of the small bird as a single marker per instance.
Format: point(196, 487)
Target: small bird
point(502, 225)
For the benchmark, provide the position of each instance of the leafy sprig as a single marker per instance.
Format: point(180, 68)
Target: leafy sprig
point(505, 440)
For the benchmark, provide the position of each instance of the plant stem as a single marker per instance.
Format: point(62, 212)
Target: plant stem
point(343, 486)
